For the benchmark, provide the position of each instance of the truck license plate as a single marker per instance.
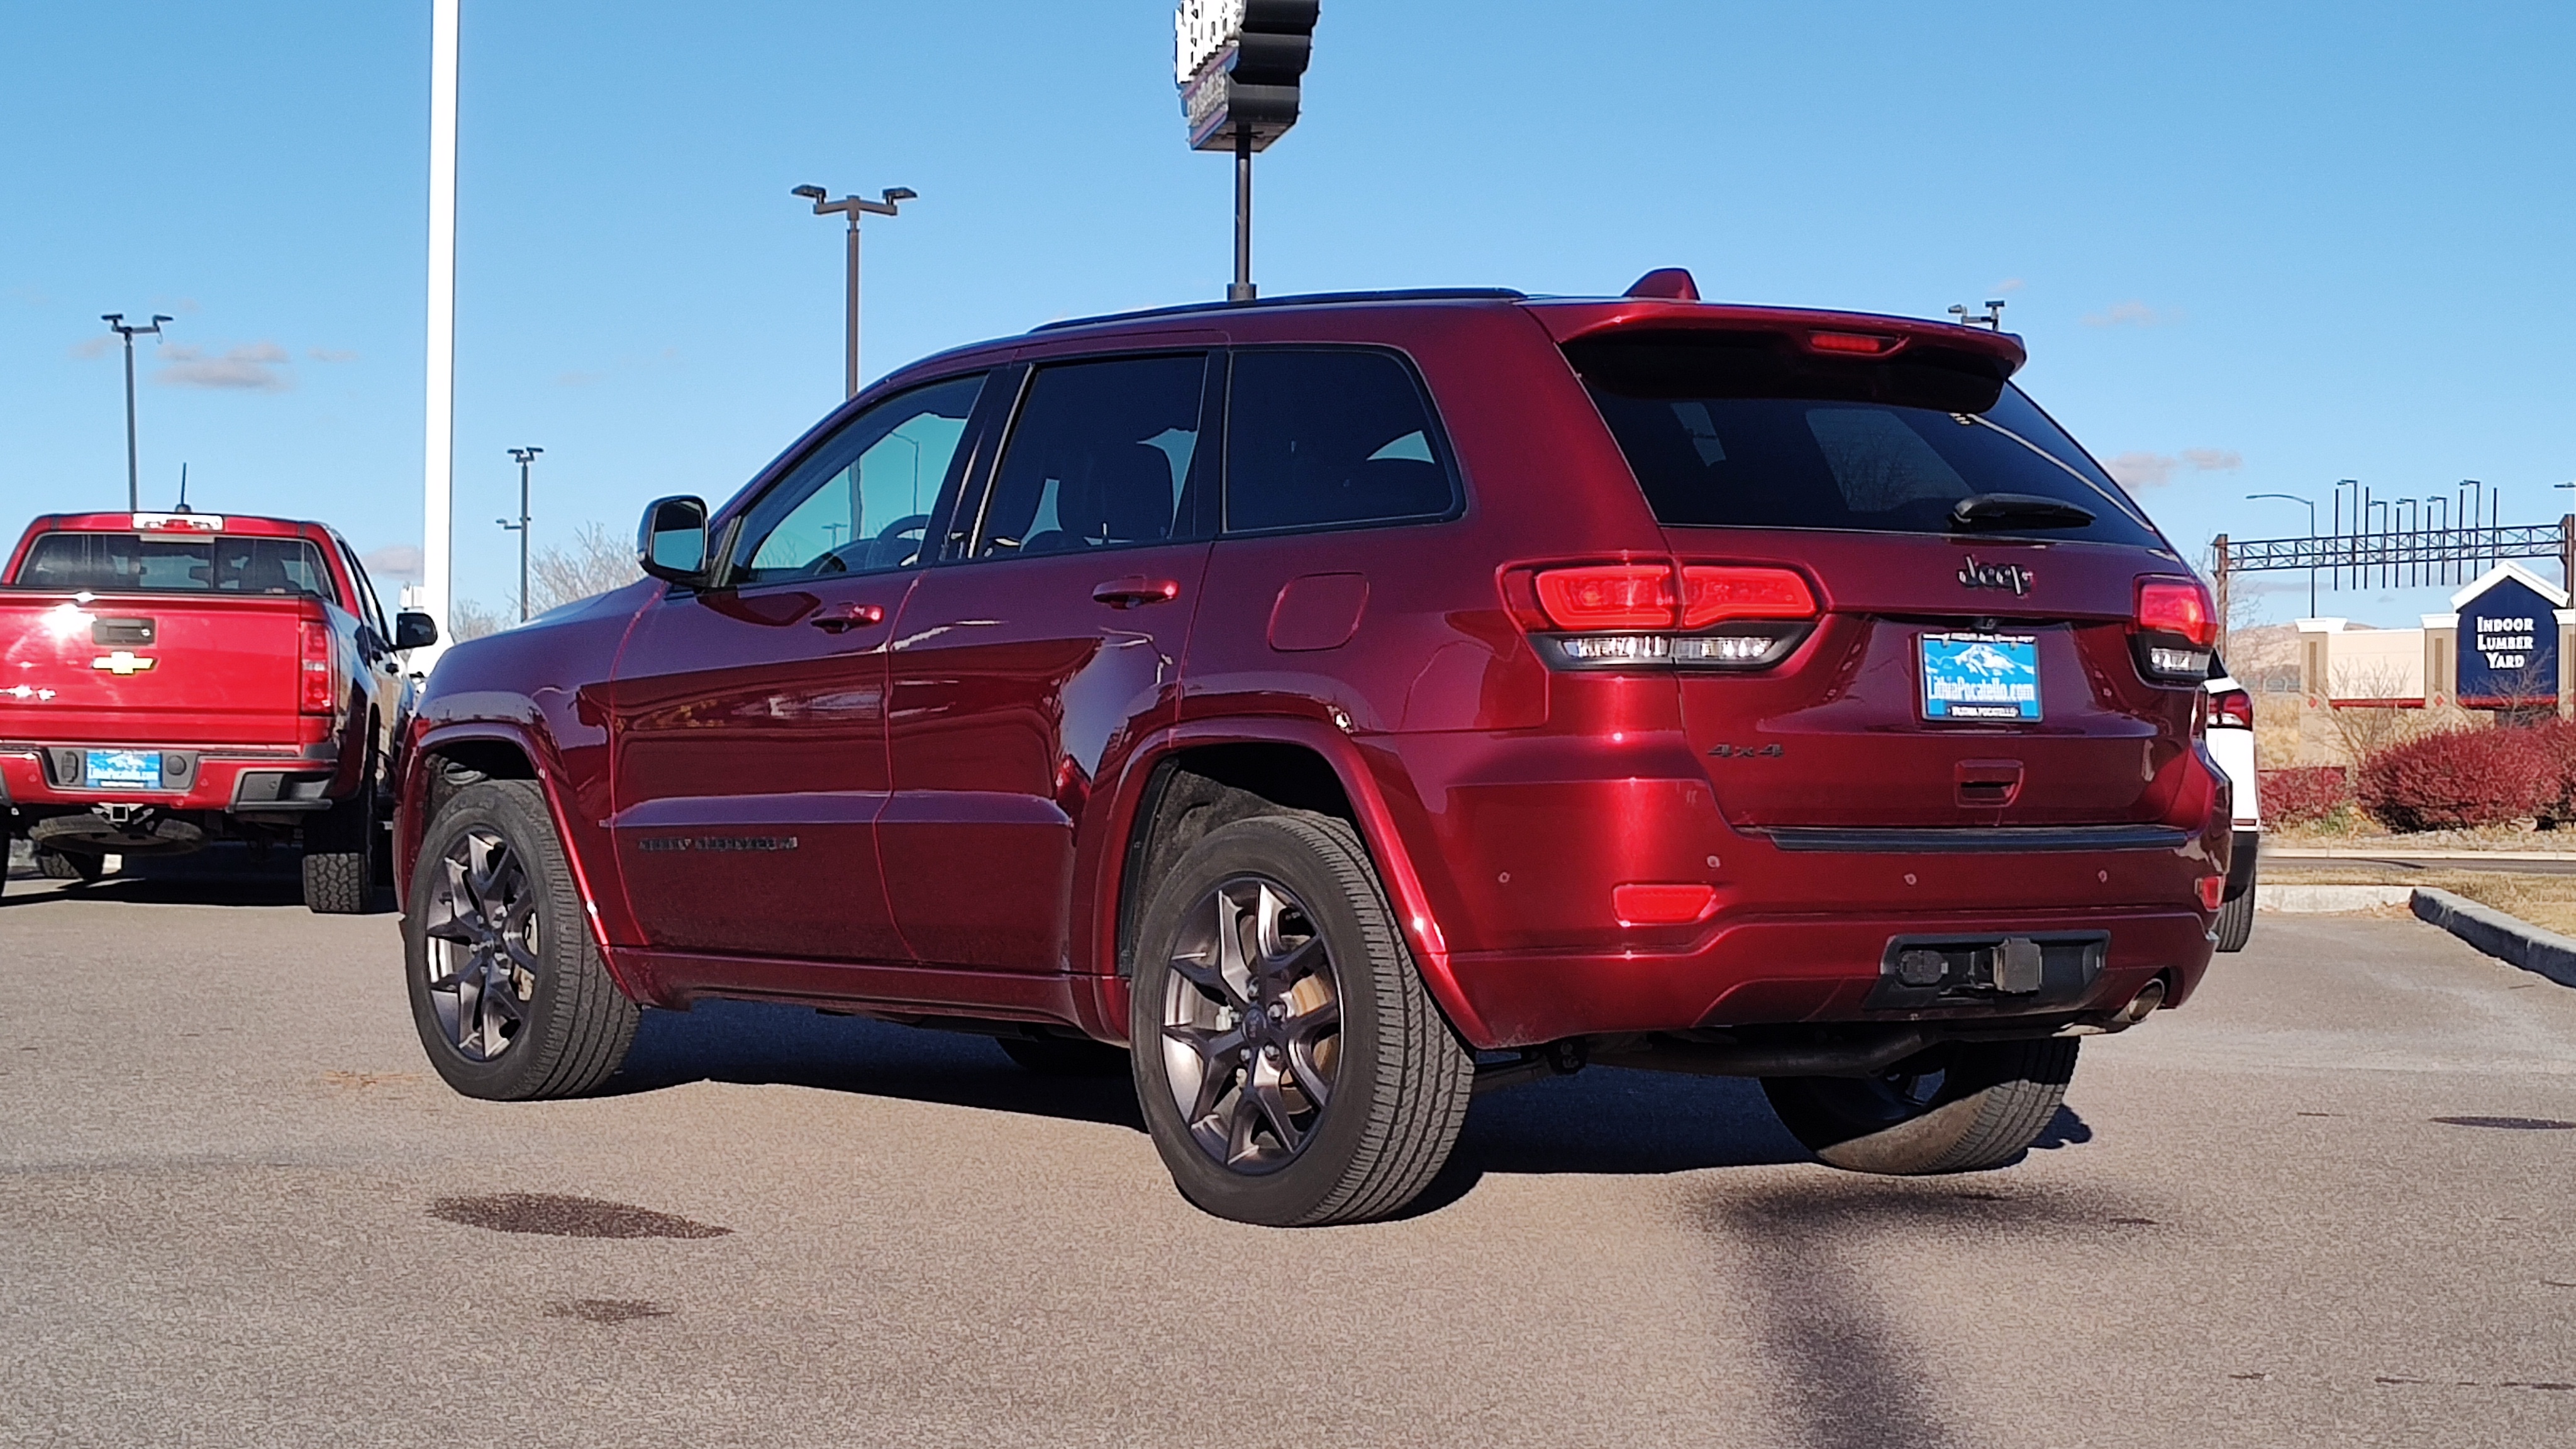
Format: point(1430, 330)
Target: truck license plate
point(1980, 676)
point(122, 770)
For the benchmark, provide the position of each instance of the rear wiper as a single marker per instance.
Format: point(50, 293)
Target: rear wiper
point(2016, 510)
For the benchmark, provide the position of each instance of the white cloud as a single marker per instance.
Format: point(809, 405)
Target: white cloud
point(395, 563)
point(2129, 314)
point(330, 354)
point(98, 346)
point(2136, 470)
point(252, 367)
point(2009, 285)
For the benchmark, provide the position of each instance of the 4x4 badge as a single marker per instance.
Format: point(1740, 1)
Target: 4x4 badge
point(1995, 576)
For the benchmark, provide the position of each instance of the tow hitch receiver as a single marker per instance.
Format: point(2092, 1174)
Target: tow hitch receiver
point(1919, 972)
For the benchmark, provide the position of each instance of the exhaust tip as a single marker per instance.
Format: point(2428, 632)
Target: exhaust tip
point(2142, 1005)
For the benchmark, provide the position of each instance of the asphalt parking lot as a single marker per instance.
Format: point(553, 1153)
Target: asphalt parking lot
point(236, 1208)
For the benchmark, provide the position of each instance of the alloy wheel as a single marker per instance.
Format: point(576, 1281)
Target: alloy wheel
point(1251, 1025)
point(482, 961)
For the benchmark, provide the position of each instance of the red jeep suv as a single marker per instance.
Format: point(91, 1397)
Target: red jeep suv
point(1348, 702)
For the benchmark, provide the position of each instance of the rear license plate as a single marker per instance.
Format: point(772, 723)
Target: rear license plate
point(1980, 676)
point(122, 770)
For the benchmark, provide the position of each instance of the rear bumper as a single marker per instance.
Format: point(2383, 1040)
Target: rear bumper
point(279, 781)
point(1766, 970)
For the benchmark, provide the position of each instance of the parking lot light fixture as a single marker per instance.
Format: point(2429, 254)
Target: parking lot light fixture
point(116, 323)
point(525, 457)
point(854, 207)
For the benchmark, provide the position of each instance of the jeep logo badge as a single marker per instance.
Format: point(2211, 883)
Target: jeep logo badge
point(1995, 576)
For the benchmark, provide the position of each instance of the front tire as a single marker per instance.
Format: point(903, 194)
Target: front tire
point(1965, 1107)
point(1291, 1067)
point(507, 989)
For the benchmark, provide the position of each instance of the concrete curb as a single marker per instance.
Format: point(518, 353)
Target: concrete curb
point(2514, 942)
point(2319, 900)
point(2395, 851)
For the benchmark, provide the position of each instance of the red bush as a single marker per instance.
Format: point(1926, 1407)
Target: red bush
point(2555, 740)
point(2460, 778)
point(2297, 796)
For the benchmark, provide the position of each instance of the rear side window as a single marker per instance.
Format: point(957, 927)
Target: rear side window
point(109, 563)
point(1098, 458)
point(1325, 439)
point(1718, 439)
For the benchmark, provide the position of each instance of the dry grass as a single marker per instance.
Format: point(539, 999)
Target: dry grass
point(2546, 901)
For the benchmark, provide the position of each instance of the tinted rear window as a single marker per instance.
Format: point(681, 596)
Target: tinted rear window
point(1330, 439)
point(1730, 435)
point(109, 563)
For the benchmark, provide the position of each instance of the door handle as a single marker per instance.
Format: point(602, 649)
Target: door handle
point(844, 618)
point(1135, 591)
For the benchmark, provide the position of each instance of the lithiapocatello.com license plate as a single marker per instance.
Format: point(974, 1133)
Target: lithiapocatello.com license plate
point(122, 770)
point(1980, 676)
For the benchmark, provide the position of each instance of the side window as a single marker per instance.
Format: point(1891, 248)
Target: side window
point(370, 608)
point(859, 503)
point(1099, 457)
point(1323, 439)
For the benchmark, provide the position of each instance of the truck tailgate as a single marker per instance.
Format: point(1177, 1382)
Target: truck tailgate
point(150, 669)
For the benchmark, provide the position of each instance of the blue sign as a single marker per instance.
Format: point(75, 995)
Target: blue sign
point(1981, 676)
point(2508, 647)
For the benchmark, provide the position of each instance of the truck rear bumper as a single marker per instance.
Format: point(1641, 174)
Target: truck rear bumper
point(253, 780)
point(1820, 969)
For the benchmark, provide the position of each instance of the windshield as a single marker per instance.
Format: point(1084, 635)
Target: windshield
point(118, 563)
point(1729, 446)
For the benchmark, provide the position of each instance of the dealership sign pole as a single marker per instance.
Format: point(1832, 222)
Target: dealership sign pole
point(1238, 64)
point(438, 429)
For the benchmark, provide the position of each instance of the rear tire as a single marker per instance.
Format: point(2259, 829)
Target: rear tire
point(2236, 921)
point(67, 865)
point(1965, 1107)
point(1289, 1063)
point(1055, 1056)
point(507, 989)
point(340, 854)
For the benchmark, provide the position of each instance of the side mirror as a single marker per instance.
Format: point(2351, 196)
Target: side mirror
point(414, 630)
point(672, 541)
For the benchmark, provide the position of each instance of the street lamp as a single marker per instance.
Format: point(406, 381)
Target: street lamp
point(133, 476)
point(854, 207)
point(2311, 506)
point(525, 456)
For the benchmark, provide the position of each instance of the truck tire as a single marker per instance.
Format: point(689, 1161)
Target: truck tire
point(507, 989)
point(66, 865)
point(1052, 1056)
point(1291, 1068)
point(1965, 1107)
point(340, 855)
point(2236, 921)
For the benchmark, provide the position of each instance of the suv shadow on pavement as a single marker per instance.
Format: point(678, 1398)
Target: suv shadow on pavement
point(1602, 1121)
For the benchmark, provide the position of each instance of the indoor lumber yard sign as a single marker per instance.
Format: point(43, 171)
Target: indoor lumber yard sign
point(1238, 64)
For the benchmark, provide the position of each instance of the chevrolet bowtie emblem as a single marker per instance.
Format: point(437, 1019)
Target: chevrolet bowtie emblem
point(123, 661)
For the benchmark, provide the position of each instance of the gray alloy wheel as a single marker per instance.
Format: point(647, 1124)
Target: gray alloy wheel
point(1964, 1107)
point(1252, 1025)
point(1290, 1065)
point(482, 919)
point(507, 989)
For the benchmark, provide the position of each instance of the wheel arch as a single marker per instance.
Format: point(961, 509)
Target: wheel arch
point(1186, 780)
point(446, 758)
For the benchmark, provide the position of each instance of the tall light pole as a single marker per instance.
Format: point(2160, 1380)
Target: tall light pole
point(854, 207)
point(2311, 506)
point(525, 456)
point(438, 427)
point(133, 474)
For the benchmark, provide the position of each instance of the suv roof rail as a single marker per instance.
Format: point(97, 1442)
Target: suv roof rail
point(1304, 299)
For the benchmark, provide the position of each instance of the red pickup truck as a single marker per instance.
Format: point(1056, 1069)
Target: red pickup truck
point(170, 679)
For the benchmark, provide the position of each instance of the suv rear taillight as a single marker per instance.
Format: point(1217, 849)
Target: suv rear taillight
point(319, 687)
point(2174, 630)
point(2231, 707)
point(1625, 616)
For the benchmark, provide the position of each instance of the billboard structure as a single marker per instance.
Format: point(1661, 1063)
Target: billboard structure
point(1239, 65)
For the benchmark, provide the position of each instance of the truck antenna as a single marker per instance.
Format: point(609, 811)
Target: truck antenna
point(183, 488)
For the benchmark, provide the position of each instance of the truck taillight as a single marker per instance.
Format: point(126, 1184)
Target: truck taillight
point(1719, 616)
point(2232, 707)
point(321, 681)
point(2174, 629)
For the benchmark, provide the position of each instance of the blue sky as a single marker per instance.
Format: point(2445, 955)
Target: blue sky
point(2251, 248)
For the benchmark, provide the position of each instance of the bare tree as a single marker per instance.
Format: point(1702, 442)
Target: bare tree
point(595, 562)
point(2362, 730)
